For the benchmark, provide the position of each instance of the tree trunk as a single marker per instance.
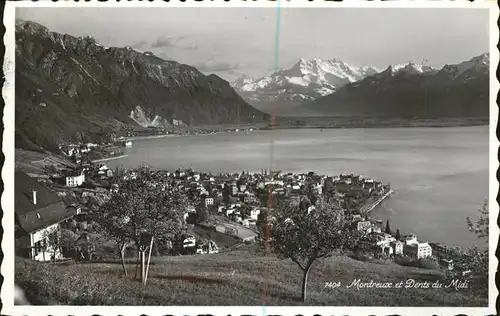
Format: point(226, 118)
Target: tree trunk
point(143, 267)
point(157, 251)
point(138, 262)
point(304, 283)
point(122, 253)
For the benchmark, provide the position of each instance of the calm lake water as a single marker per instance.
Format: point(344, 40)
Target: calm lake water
point(440, 175)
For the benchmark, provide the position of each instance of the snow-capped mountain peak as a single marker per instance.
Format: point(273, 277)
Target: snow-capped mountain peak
point(331, 73)
point(479, 63)
point(311, 79)
point(307, 79)
point(241, 81)
point(324, 68)
point(483, 59)
point(410, 68)
point(368, 70)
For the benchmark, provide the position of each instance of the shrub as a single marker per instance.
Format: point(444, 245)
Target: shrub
point(361, 256)
point(105, 184)
point(405, 261)
point(89, 184)
point(428, 263)
point(424, 263)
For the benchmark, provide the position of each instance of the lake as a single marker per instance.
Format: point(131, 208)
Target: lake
point(440, 175)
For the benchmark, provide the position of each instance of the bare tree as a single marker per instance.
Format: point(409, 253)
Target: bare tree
point(140, 205)
point(481, 227)
point(306, 237)
point(475, 259)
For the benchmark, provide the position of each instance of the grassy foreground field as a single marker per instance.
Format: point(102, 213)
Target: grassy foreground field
point(239, 277)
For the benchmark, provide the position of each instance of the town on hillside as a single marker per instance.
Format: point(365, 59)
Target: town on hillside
point(112, 145)
point(223, 210)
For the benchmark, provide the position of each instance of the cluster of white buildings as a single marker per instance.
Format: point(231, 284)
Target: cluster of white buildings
point(76, 149)
point(75, 178)
point(381, 243)
point(416, 249)
point(233, 212)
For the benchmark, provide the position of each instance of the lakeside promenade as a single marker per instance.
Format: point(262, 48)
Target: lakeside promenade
point(109, 158)
point(133, 138)
point(371, 207)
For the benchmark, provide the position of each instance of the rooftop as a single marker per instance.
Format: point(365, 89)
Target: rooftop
point(48, 210)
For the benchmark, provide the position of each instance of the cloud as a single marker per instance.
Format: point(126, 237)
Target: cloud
point(180, 38)
point(162, 41)
point(212, 66)
point(174, 42)
point(140, 44)
point(190, 46)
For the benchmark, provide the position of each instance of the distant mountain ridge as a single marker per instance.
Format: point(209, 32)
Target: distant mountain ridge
point(69, 86)
point(411, 68)
point(460, 90)
point(307, 80)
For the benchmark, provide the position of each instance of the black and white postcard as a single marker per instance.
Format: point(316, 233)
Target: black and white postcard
point(234, 158)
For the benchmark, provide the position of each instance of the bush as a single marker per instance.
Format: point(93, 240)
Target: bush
point(425, 263)
point(105, 184)
point(361, 256)
point(428, 263)
point(202, 215)
point(164, 247)
point(405, 261)
point(88, 184)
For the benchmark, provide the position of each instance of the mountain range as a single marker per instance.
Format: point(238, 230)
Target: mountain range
point(334, 88)
point(72, 87)
point(69, 88)
point(459, 90)
point(307, 80)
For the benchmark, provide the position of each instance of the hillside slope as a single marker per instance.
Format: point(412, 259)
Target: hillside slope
point(68, 87)
point(233, 278)
point(460, 90)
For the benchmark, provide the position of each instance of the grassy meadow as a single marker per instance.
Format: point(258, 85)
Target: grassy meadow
point(238, 277)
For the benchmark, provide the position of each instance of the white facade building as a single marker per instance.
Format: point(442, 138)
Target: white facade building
point(229, 211)
point(209, 201)
point(40, 240)
point(75, 180)
point(254, 214)
point(410, 239)
point(418, 250)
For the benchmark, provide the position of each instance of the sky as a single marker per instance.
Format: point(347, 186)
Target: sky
point(231, 42)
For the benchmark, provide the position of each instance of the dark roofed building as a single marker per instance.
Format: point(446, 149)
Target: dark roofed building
point(38, 213)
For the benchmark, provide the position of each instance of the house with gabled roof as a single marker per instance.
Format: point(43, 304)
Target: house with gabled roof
point(38, 215)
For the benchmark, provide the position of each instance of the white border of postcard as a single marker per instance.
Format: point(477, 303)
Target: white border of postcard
point(8, 170)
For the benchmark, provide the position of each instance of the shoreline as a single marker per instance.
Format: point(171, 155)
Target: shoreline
point(181, 135)
point(302, 123)
point(110, 158)
point(320, 127)
point(374, 126)
point(373, 205)
point(146, 137)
